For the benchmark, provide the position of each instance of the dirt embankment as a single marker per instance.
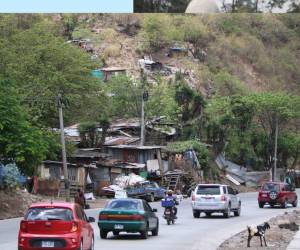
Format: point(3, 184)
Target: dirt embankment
point(277, 238)
point(15, 203)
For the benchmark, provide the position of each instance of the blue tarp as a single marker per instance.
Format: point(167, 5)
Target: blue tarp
point(97, 73)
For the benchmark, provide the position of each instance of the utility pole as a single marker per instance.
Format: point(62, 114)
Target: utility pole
point(275, 152)
point(144, 99)
point(63, 147)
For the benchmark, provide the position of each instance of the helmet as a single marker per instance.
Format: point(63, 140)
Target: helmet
point(170, 192)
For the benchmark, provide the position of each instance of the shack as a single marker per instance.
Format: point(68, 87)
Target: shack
point(109, 72)
point(178, 51)
point(51, 177)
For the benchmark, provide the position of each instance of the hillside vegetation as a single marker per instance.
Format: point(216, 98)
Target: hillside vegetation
point(239, 80)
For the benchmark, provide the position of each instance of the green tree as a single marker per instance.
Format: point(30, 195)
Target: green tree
point(43, 65)
point(19, 141)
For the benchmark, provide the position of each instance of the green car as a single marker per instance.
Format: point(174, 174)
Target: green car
point(128, 215)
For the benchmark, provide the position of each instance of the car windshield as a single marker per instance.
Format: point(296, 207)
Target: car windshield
point(43, 213)
point(271, 187)
point(212, 190)
point(124, 205)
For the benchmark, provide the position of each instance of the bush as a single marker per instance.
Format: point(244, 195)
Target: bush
point(10, 176)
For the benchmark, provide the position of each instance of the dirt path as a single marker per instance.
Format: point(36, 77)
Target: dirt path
point(277, 238)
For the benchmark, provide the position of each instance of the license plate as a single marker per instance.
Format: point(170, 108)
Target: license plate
point(117, 226)
point(168, 212)
point(264, 195)
point(47, 243)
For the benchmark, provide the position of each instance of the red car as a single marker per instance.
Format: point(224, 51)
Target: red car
point(277, 193)
point(56, 225)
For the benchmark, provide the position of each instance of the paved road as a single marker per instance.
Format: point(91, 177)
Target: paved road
point(187, 234)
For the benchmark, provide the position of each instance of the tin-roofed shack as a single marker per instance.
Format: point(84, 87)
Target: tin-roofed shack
point(109, 72)
point(178, 51)
point(51, 177)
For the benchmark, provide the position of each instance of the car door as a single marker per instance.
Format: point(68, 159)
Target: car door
point(89, 230)
point(150, 215)
point(233, 197)
point(84, 228)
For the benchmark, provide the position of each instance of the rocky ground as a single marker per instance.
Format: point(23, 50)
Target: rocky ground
point(277, 238)
point(15, 203)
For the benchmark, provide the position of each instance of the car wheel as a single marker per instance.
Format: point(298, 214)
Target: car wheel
point(155, 231)
point(196, 214)
point(261, 204)
point(238, 211)
point(115, 233)
point(144, 234)
point(81, 245)
point(92, 244)
point(151, 198)
point(295, 203)
point(103, 234)
point(226, 213)
point(284, 204)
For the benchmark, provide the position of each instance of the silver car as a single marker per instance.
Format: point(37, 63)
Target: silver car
point(211, 198)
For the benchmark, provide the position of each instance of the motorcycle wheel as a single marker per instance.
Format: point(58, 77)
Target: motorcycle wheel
point(168, 222)
point(173, 222)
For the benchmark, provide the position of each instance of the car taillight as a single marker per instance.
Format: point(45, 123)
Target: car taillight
point(223, 198)
point(136, 217)
point(103, 216)
point(23, 226)
point(74, 226)
point(193, 197)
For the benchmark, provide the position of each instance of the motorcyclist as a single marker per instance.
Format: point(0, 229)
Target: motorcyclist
point(170, 196)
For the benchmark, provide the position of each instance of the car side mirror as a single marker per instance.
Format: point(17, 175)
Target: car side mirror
point(91, 219)
point(154, 210)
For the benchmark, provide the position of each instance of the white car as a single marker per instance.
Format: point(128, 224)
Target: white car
point(215, 198)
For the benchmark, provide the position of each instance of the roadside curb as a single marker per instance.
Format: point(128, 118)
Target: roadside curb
point(295, 243)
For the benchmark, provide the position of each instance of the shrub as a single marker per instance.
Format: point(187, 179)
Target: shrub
point(10, 176)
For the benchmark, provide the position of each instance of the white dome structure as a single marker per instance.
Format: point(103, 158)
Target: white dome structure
point(202, 6)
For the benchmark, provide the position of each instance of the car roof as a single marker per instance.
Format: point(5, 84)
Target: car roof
point(63, 204)
point(211, 184)
point(274, 182)
point(126, 199)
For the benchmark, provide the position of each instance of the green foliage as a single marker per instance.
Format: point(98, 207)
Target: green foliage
point(19, 141)
point(43, 66)
point(200, 150)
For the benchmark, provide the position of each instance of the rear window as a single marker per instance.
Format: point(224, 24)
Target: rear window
point(271, 187)
point(124, 205)
point(212, 190)
point(64, 214)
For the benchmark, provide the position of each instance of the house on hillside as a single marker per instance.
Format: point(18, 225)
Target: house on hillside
point(109, 72)
point(178, 51)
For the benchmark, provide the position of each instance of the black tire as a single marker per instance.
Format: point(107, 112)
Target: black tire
point(173, 222)
point(168, 221)
point(151, 198)
point(284, 204)
point(155, 231)
point(81, 245)
point(92, 244)
point(196, 214)
point(238, 211)
point(261, 204)
point(226, 213)
point(103, 234)
point(295, 202)
point(144, 234)
point(116, 233)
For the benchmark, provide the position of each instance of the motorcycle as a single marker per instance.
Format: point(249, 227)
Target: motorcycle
point(169, 215)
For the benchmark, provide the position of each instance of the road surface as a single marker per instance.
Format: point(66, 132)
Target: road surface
point(187, 234)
